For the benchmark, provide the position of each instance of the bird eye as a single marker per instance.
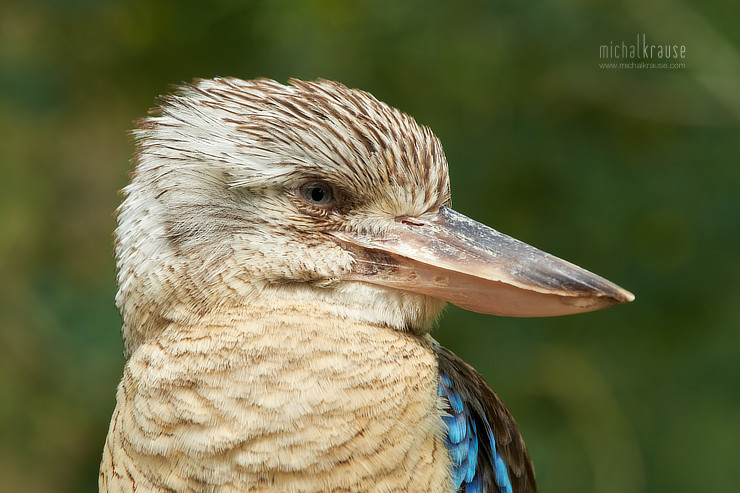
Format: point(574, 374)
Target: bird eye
point(317, 193)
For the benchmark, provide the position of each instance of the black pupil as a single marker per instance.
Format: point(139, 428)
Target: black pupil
point(317, 194)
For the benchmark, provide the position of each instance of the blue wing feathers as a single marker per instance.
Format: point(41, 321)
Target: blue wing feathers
point(462, 442)
point(486, 450)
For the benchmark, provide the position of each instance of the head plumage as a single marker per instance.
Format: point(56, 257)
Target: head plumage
point(263, 133)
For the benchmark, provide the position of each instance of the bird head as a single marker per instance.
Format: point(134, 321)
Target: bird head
point(313, 192)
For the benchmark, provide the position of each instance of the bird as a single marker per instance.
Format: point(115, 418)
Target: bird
point(282, 252)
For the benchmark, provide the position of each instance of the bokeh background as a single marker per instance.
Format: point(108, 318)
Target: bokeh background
point(631, 173)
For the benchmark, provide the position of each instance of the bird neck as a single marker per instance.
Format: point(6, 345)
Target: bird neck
point(145, 318)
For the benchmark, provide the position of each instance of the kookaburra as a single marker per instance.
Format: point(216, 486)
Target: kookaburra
point(282, 253)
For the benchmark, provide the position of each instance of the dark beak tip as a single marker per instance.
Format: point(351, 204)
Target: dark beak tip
point(601, 299)
point(616, 294)
point(586, 285)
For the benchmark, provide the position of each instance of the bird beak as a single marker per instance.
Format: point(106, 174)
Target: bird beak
point(451, 257)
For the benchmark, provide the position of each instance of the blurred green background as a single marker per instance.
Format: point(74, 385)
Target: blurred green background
point(631, 173)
